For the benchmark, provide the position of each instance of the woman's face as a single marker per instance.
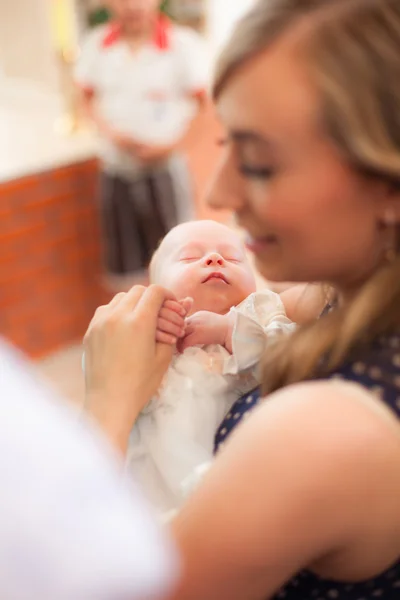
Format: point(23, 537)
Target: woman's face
point(309, 216)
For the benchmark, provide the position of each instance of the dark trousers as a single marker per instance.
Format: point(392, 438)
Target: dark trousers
point(136, 215)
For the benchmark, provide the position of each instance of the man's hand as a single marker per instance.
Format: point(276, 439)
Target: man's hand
point(144, 153)
point(150, 153)
point(122, 141)
point(204, 328)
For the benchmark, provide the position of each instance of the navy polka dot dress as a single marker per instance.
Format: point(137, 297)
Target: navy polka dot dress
point(378, 370)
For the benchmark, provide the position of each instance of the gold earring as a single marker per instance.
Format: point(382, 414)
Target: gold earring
point(390, 224)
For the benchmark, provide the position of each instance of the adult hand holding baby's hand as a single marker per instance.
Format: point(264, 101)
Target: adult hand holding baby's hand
point(204, 328)
point(124, 364)
point(171, 321)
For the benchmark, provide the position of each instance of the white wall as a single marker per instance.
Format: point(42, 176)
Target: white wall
point(222, 16)
point(26, 49)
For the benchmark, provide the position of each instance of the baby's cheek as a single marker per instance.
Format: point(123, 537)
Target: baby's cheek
point(247, 282)
point(182, 284)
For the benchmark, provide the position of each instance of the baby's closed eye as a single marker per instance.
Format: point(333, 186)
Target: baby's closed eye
point(189, 258)
point(233, 260)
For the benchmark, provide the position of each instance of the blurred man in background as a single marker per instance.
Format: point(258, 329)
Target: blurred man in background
point(143, 80)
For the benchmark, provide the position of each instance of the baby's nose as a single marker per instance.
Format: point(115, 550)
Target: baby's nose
point(214, 259)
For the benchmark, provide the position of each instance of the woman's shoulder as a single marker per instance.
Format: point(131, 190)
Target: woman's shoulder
point(327, 402)
point(320, 442)
point(339, 420)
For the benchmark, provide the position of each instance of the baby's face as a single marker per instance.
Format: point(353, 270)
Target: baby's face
point(206, 261)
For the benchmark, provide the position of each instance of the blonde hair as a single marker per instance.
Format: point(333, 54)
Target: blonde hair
point(352, 51)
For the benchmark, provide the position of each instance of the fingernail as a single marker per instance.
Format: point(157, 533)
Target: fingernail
point(173, 339)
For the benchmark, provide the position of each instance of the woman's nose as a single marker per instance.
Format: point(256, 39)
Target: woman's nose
point(214, 259)
point(224, 188)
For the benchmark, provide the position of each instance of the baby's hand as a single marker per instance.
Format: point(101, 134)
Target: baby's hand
point(171, 321)
point(204, 328)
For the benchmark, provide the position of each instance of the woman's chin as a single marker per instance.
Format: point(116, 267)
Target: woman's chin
point(269, 273)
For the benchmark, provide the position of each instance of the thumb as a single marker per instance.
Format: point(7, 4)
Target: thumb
point(187, 304)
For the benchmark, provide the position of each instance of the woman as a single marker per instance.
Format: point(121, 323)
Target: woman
point(303, 502)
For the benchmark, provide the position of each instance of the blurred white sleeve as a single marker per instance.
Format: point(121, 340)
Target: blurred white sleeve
point(71, 525)
point(195, 61)
point(87, 66)
point(258, 318)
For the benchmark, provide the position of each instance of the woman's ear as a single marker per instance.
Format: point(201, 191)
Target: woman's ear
point(391, 208)
point(389, 225)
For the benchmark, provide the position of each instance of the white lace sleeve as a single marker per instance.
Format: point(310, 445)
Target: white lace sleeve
point(257, 318)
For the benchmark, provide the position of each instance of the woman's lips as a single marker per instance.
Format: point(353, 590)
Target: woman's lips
point(259, 244)
point(216, 276)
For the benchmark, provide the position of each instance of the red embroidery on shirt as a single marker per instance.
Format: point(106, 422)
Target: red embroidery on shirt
point(162, 33)
point(113, 35)
point(161, 36)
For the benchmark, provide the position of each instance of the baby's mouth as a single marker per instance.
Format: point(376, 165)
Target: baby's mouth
point(216, 275)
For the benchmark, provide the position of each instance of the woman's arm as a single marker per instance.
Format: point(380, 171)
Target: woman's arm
point(296, 484)
point(304, 302)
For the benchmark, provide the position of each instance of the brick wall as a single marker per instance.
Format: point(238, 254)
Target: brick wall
point(50, 259)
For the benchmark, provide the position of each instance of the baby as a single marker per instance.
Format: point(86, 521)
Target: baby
point(226, 332)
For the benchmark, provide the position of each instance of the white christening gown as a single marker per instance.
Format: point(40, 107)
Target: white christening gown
point(174, 435)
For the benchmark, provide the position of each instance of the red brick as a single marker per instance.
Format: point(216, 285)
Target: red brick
point(50, 257)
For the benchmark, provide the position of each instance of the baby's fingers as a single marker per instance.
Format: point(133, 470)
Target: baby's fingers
point(171, 328)
point(165, 338)
point(170, 315)
point(175, 307)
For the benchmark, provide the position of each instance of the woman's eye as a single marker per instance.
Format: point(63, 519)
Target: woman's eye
point(256, 172)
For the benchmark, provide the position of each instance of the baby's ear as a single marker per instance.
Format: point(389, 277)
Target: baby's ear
point(187, 304)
